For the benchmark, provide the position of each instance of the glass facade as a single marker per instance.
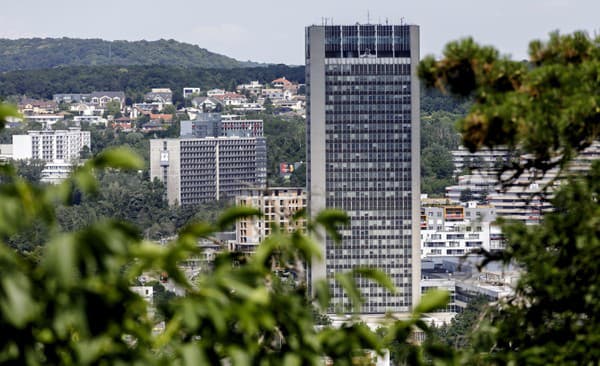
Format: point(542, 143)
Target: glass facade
point(366, 111)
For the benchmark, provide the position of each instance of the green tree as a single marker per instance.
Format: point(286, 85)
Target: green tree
point(112, 108)
point(546, 111)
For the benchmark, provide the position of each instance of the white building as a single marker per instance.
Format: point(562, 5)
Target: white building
point(253, 88)
point(455, 230)
point(215, 92)
point(50, 145)
point(92, 120)
point(189, 92)
point(56, 171)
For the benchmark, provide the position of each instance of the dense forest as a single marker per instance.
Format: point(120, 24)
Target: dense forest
point(136, 80)
point(46, 53)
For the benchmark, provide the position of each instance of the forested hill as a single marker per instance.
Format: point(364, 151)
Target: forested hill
point(135, 80)
point(43, 53)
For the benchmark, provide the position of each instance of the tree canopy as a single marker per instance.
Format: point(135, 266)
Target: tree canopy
point(47, 53)
point(546, 111)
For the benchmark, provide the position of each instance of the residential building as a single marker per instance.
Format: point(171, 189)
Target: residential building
point(254, 88)
point(281, 83)
point(207, 104)
point(102, 98)
point(197, 170)
point(29, 106)
point(215, 92)
point(159, 95)
point(190, 92)
point(46, 120)
point(70, 98)
point(363, 156)
point(56, 171)
point(92, 120)
point(278, 205)
point(6, 152)
point(454, 230)
point(51, 145)
point(233, 99)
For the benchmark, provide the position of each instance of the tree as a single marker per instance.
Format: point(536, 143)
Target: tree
point(546, 111)
point(112, 108)
point(169, 109)
point(30, 169)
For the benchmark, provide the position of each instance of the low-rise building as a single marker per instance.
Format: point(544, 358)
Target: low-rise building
point(254, 88)
point(190, 92)
point(159, 95)
point(453, 230)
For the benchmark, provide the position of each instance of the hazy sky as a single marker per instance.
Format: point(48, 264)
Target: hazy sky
point(273, 30)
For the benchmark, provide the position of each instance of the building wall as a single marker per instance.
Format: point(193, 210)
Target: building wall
point(198, 170)
point(22, 147)
point(363, 155)
point(49, 145)
point(165, 166)
point(278, 205)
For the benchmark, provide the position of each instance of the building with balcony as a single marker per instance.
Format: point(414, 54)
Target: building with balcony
point(278, 206)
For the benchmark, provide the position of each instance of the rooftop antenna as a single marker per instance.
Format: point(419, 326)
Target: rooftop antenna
point(386, 21)
point(368, 17)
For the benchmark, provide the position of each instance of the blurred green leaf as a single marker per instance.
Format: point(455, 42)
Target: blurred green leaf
point(330, 219)
point(233, 214)
point(378, 276)
point(118, 158)
point(432, 300)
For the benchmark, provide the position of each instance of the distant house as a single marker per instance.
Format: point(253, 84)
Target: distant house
point(70, 98)
point(35, 106)
point(166, 118)
point(153, 125)
point(83, 109)
point(285, 84)
point(123, 124)
point(160, 95)
point(233, 99)
point(215, 92)
point(189, 92)
point(253, 88)
point(91, 119)
point(102, 98)
point(206, 103)
point(281, 83)
point(273, 94)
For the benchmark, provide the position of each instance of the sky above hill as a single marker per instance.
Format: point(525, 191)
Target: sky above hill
point(273, 30)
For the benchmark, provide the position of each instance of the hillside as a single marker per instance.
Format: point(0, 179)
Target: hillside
point(44, 53)
point(135, 80)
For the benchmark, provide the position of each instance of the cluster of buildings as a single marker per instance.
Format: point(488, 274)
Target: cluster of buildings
point(525, 199)
point(281, 94)
point(215, 157)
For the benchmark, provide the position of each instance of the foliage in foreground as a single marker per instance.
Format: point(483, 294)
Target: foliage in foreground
point(547, 111)
point(72, 303)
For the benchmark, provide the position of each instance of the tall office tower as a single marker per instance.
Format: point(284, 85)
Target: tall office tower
point(363, 155)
